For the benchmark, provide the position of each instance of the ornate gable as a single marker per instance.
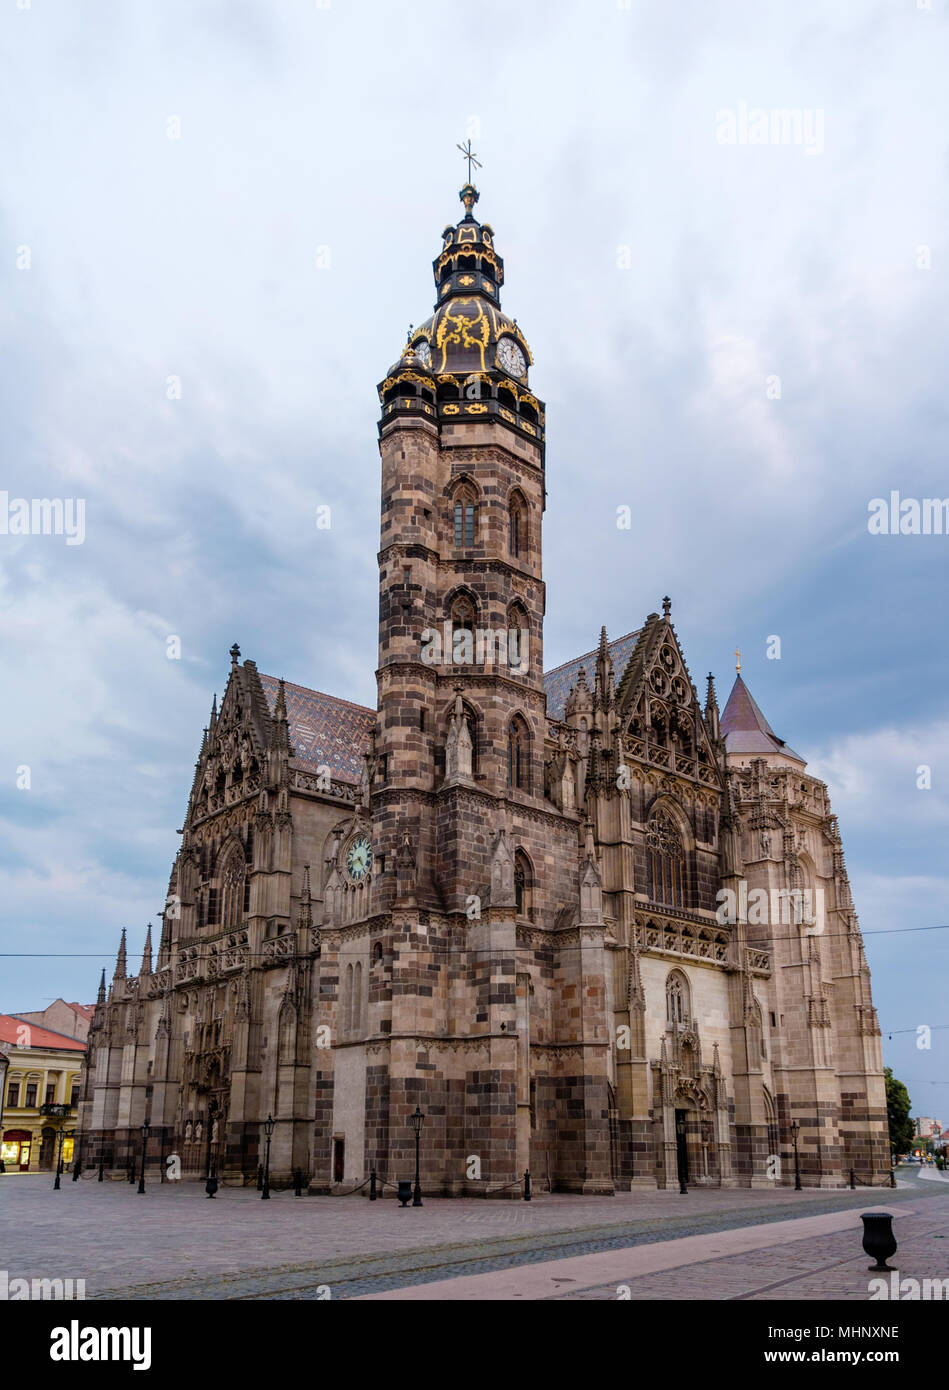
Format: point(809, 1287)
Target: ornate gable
point(658, 709)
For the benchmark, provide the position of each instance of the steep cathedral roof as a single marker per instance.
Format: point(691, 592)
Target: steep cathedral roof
point(745, 729)
point(559, 681)
point(324, 730)
point(328, 731)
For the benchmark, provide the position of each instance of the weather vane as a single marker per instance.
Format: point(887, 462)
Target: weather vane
point(468, 153)
point(737, 662)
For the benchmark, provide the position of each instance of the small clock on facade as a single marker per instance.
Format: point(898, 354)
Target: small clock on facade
point(359, 858)
point(510, 358)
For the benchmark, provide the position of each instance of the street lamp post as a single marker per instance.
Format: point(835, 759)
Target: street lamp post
point(145, 1128)
point(268, 1130)
point(795, 1131)
point(417, 1120)
point(59, 1161)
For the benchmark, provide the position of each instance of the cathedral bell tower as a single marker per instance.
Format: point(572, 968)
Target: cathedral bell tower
point(461, 593)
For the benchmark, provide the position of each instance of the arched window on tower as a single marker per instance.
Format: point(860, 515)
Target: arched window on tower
point(523, 885)
point(462, 631)
point(517, 525)
point(518, 639)
point(518, 754)
point(678, 999)
point(666, 861)
point(464, 516)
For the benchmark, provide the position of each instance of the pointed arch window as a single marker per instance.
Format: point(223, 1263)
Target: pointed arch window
point(518, 635)
point(233, 879)
point(666, 860)
point(517, 525)
point(464, 517)
point(518, 754)
point(462, 631)
point(678, 999)
point(523, 885)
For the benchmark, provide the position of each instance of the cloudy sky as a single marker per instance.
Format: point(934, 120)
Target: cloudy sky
point(743, 341)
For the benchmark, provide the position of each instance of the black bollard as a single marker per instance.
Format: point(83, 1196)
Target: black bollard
point(527, 1184)
point(101, 1177)
point(892, 1177)
point(372, 1185)
point(853, 1182)
point(878, 1239)
point(298, 1182)
point(260, 1177)
point(75, 1170)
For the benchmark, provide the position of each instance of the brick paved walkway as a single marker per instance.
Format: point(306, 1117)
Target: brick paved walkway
point(173, 1242)
point(817, 1257)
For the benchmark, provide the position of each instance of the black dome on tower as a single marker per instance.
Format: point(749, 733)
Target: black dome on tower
point(468, 358)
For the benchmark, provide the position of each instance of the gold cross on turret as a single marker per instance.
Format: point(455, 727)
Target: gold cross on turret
point(737, 661)
point(471, 157)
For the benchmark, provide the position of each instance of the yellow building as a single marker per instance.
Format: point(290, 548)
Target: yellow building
point(40, 1094)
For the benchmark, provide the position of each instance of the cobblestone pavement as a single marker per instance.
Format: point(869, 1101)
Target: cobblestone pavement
point(822, 1268)
point(173, 1242)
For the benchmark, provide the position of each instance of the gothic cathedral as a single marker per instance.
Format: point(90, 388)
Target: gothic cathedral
point(586, 925)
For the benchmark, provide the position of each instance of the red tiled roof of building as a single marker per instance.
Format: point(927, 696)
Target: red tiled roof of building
point(11, 1031)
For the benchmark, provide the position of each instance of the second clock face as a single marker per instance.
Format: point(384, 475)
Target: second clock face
point(511, 358)
point(359, 858)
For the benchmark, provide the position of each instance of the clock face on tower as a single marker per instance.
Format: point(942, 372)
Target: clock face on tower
point(359, 858)
point(511, 358)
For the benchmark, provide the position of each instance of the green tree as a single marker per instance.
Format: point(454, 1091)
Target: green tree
point(898, 1106)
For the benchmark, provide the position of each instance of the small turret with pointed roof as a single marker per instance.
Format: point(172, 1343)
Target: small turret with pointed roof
point(164, 941)
point(746, 731)
point(100, 997)
point(146, 968)
point(280, 751)
point(604, 682)
point(580, 698)
point(305, 917)
point(712, 722)
point(280, 734)
point(120, 964)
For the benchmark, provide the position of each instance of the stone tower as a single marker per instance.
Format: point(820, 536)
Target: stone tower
point(458, 785)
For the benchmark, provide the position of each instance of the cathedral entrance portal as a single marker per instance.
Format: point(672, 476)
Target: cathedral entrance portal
point(695, 1140)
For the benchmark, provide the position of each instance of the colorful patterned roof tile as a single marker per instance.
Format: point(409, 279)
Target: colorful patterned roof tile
point(557, 682)
point(324, 730)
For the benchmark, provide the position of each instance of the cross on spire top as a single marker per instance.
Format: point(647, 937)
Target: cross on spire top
point(471, 157)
